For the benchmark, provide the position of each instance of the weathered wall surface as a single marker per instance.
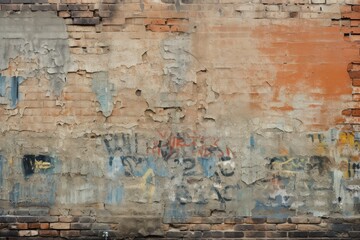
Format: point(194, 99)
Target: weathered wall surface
point(178, 118)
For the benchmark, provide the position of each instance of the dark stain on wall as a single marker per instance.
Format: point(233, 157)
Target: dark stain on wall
point(33, 164)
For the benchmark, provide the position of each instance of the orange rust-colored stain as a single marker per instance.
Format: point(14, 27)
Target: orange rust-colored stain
point(283, 108)
point(311, 61)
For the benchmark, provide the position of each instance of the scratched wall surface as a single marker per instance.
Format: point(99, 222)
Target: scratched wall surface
point(172, 110)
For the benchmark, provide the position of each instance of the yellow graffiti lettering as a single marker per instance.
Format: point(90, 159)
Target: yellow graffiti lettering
point(347, 138)
point(148, 184)
point(41, 165)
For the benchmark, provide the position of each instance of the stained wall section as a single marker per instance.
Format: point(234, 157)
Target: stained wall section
point(179, 119)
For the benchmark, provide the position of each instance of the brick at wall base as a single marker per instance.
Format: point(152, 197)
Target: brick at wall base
point(86, 227)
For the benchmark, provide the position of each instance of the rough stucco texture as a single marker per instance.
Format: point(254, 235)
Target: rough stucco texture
point(140, 117)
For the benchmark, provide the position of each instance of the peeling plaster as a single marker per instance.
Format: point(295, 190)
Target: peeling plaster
point(104, 91)
point(181, 65)
point(35, 38)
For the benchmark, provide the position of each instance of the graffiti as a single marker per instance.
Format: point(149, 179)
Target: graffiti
point(297, 164)
point(226, 194)
point(350, 169)
point(202, 170)
point(316, 137)
point(180, 156)
point(40, 191)
point(182, 194)
point(36, 164)
point(120, 144)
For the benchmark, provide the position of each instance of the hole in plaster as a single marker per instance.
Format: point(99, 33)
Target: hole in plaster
point(138, 92)
point(293, 14)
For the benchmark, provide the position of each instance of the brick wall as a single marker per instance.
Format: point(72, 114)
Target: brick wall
point(179, 119)
point(86, 227)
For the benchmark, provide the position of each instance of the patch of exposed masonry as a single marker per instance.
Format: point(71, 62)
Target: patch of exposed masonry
point(38, 39)
point(104, 91)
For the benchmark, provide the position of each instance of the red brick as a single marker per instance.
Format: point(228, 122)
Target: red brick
point(48, 233)
point(346, 112)
point(276, 220)
point(309, 227)
point(356, 97)
point(66, 219)
point(351, 15)
point(286, 227)
point(70, 233)
point(34, 225)
point(19, 226)
point(356, 82)
point(158, 28)
point(355, 23)
point(354, 74)
point(222, 227)
point(298, 220)
point(64, 14)
point(355, 112)
point(11, 7)
point(200, 227)
point(176, 21)
point(60, 225)
point(345, 9)
point(356, 8)
point(44, 225)
point(179, 28)
point(156, 21)
point(22, 226)
point(255, 220)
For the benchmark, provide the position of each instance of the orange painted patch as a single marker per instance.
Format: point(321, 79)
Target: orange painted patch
point(311, 70)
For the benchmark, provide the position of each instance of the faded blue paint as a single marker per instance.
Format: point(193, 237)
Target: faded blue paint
point(114, 195)
point(208, 165)
point(14, 92)
point(38, 193)
point(15, 194)
point(263, 210)
point(2, 86)
point(252, 141)
point(176, 212)
point(158, 166)
point(357, 136)
point(9, 88)
point(117, 168)
point(104, 91)
point(1, 170)
point(137, 167)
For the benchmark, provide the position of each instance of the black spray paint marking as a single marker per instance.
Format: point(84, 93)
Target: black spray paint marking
point(124, 145)
point(14, 92)
point(32, 164)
